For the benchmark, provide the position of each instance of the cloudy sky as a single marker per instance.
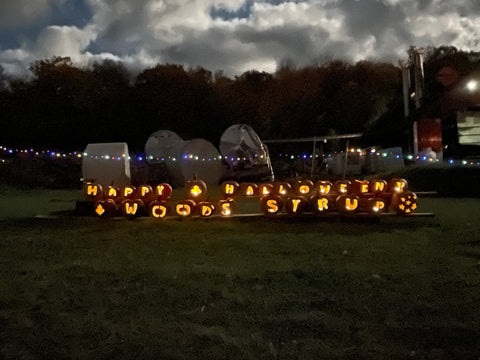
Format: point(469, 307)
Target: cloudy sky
point(229, 35)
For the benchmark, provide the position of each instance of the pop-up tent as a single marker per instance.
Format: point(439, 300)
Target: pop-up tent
point(244, 152)
point(106, 164)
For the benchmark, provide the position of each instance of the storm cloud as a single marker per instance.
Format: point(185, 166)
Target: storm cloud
point(229, 35)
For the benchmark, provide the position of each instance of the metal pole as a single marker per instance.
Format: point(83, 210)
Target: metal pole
point(346, 160)
point(313, 155)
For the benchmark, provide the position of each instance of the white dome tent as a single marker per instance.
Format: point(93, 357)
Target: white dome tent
point(183, 159)
point(162, 145)
point(162, 151)
point(202, 159)
point(245, 153)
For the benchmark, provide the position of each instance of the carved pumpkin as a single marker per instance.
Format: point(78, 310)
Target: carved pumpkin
point(404, 202)
point(295, 205)
point(104, 209)
point(145, 193)
point(113, 193)
point(341, 187)
point(226, 207)
point(249, 189)
point(128, 192)
point(230, 188)
point(196, 190)
point(131, 208)
point(159, 209)
point(93, 192)
point(265, 189)
point(376, 205)
point(303, 187)
point(377, 186)
point(347, 203)
point(397, 185)
point(359, 187)
point(163, 191)
point(282, 188)
point(185, 208)
point(322, 204)
point(206, 209)
point(271, 205)
point(323, 187)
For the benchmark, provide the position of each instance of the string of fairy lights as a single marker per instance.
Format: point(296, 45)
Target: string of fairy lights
point(7, 153)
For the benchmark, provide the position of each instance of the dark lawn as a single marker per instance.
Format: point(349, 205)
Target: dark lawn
point(87, 288)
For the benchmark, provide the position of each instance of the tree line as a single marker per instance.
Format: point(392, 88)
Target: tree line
point(65, 107)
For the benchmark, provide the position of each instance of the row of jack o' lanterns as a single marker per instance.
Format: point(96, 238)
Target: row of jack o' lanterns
point(323, 197)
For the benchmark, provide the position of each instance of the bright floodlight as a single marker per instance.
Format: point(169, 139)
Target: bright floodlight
point(472, 85)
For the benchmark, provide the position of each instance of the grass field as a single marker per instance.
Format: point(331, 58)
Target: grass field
point(88, 288)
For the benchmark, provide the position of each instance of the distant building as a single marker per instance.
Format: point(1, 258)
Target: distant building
point(451, 124)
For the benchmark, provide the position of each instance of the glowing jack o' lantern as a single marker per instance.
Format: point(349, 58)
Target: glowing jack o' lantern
point(295, 205)
point(196, 190)
point(271, 205)
point(341, 186)
point(226, 207)
point(376, 205)
point(282, 189)
point(185, 208)
point(347, 203)
point(404, 202)
point(377, 186)
point(230, 188)
point(145, 193)
point(159, 209)
point(112, 192)
point(303, 187)
point(163, 191)
point(106, 208)
point(93, 191)
point(206, 209)
point(265, 189)
point(321, 204)
point(359, 187)
point(128, 192)
point(397, 185)
point(131, 208)
point(323, 187)
point(249, 189)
